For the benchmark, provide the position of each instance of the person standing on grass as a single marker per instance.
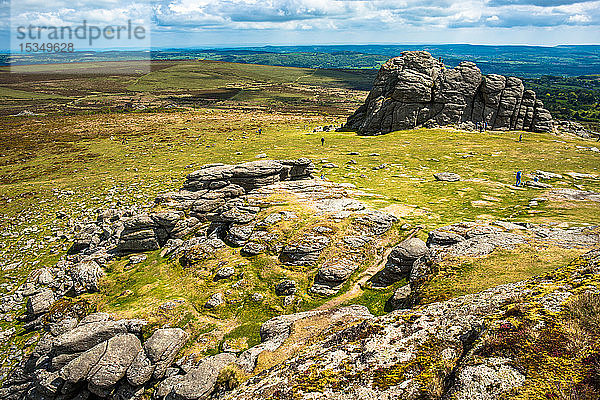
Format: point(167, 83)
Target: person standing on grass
point(520, 137)
point(322, 141)
point(518, 183)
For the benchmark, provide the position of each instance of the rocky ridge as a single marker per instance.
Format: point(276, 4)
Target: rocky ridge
point(495, 344)
point(417, 90)
point(219, 206)
point(84, 355)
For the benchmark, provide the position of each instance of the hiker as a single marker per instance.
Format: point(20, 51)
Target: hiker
point(518, 183)
point(520, 137)
point(322, 141)
point(481, 128)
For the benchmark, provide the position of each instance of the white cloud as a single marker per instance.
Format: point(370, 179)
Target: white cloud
point(579, 19)
point(350, 17)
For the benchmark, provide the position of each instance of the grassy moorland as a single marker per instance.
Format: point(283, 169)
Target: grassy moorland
point(59, 168)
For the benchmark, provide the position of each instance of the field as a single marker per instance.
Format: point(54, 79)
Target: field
point(83, 152)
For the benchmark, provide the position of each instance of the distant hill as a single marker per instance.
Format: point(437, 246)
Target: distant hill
point(521, 61)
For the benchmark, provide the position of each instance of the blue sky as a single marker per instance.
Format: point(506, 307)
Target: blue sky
point(202, 23)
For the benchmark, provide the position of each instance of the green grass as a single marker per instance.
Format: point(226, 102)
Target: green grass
point(464, 276)
point(8, 93)
point(107, 160)
point(205, 75)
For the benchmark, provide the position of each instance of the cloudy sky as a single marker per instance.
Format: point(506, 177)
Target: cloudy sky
point(199, 23)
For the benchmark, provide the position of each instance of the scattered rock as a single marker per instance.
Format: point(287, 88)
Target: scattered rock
point(400, 300)
point(225, 272)
point(537, 185)
point(447, 177)
point(40, 303)
point(286, 287)
point(547, 175)
point(214, 301)
point(330, 165)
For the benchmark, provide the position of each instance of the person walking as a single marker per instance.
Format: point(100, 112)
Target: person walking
point(520, 137)
point(322, 141)
point(518, 183)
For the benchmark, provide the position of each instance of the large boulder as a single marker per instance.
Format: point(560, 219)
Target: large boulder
point(87, 335)
point(162, 348)
point(403, 256)
point(198, 383)
point(416, 90)
point(40, 302)
point(105, 364)
point(305, 250)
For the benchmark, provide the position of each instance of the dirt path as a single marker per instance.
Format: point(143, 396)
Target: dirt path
point(358, 288)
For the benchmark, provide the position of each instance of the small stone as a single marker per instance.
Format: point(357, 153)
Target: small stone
point(214, 301)
point(286, 287)
point(225, 272)
point(257, 297)
point(400, 299)
point(447, 176)
point(137, 258)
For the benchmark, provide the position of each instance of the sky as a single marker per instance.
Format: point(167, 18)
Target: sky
point(237, 23)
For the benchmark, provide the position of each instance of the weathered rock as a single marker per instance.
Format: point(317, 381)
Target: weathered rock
point(199, 382)
point(403, 256)
point(337, 271)
point(459, 338)
point(40, 303)
point(45, 277)
point(488, 380)
point(547, 175)
point(574, 194)
point(225, 272)
point(238, 235)
point(105, 364)
point(447, 176)
point(286, 287)
point(139, 234)
point(87, 335)
point(85, 276)
point(442, 238)
point(537, 185)
point(416, 90)
point(162, 348)
point(214, 301)
point(373, 222)
point(304, 251)
point(575, 128)
point(276, 331)
point(141, 369)
point(400, 299)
